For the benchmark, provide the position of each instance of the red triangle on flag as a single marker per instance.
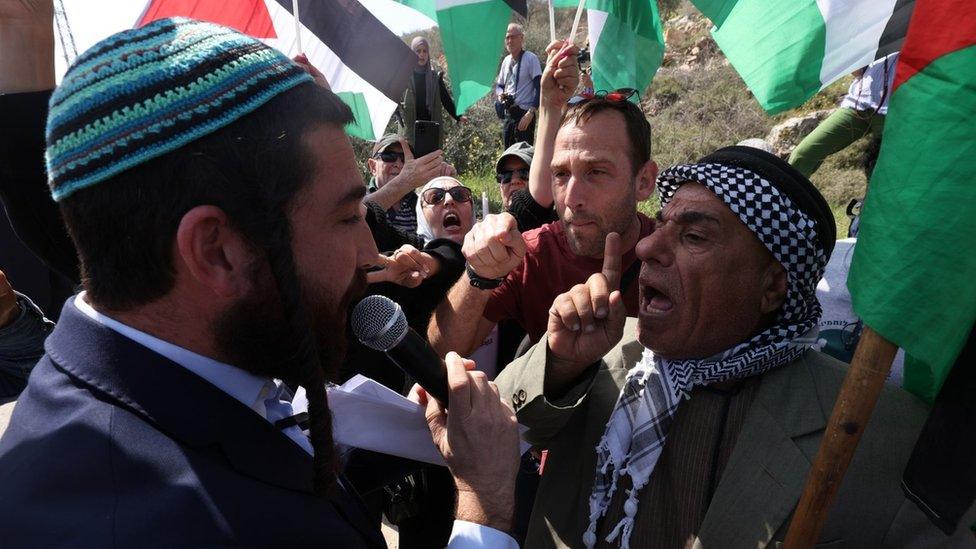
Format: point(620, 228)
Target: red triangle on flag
point(936, 29)
point(248, 16)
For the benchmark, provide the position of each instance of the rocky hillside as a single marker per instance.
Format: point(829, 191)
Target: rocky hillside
point(696, 104)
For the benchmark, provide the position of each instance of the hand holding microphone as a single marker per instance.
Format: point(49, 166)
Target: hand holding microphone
point(478, 437)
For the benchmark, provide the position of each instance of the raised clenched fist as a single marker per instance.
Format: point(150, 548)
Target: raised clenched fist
point(494, 246)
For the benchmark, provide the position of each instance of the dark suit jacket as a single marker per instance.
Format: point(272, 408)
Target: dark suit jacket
point(113, 445)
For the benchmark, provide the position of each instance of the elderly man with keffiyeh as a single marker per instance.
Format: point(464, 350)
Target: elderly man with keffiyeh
point(695, 424)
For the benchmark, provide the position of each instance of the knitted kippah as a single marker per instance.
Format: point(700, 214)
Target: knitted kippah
point(145, 92)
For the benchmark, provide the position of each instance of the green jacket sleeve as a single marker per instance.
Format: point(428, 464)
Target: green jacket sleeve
point(522, 382)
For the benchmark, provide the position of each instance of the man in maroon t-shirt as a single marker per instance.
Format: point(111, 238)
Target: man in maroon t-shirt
point(597, 156)
point(549, 268)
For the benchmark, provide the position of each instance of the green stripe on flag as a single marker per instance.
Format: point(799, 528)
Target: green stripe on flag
point(777, 46)
point(630, 47)
point(362, 126)
point(473, 36)
point(911, 279)
point(715, 10)
point(426, 7)
point(631, 44)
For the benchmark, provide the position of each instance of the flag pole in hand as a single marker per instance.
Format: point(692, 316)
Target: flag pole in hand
point(576, 20)
point(855, 402)
point(552, 23)
point(298, 26)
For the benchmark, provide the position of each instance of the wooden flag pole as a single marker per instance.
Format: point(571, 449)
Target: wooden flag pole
point(858, 396)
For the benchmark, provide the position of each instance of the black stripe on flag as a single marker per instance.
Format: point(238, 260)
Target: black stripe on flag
point(896, 29)
point(364, 44)
point(519, 6)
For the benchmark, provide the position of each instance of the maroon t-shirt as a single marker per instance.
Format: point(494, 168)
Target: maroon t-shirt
point(550, 268)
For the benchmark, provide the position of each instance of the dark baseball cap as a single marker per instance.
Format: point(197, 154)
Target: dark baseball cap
point(387, 140)
point(521, 150)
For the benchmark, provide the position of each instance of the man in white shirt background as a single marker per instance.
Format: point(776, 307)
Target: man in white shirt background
point(861, 112)
point(517, 89)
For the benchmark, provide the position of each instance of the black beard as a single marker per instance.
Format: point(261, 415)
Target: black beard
point(253, 334)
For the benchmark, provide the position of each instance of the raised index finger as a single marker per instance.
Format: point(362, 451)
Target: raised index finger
point(612, 261)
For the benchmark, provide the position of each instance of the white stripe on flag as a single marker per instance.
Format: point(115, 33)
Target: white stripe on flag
point(853, 31)
point(595, 19)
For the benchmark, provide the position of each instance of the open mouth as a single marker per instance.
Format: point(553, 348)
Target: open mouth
point(452, 220)
point(654, 301)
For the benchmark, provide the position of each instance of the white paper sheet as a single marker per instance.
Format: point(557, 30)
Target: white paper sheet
point(367, 415)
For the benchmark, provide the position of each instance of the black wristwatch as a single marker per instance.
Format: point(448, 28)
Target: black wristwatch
point(480, 282)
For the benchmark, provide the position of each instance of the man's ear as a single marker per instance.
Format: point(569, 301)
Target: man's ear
point(646, 177)
point(215, 254)
point(371, 166)
point(775, 282)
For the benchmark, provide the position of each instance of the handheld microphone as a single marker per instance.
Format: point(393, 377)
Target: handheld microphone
point(379, 323)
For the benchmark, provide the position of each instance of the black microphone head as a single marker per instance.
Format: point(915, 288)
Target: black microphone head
point(379, 322)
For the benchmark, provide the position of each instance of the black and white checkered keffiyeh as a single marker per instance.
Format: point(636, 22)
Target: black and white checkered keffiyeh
point(640, 421)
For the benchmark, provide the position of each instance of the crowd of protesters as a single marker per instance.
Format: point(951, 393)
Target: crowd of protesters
point(195, 266)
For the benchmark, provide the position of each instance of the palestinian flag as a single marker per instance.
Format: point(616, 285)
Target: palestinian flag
point(911, 278)
point(626, 41)
point(473, 35)
point(366, 64)
point(788, 50)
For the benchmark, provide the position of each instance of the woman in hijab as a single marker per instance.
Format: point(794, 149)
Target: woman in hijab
point(426, 87)
point(445, 210)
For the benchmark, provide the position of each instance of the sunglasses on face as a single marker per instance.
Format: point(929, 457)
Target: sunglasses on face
point(620, 94)
point(435, 195)
point(389, 156)
point(504, 177)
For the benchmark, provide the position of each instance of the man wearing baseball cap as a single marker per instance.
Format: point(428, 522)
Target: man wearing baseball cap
point(512, 174)
point(396, 173)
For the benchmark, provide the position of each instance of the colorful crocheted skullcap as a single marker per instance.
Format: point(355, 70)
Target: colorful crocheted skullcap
point(145, 92)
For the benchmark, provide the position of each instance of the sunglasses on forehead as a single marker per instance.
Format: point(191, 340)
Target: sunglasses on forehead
point(389, 156)
point(619, 94)
point(504, 177)
point(435, 196)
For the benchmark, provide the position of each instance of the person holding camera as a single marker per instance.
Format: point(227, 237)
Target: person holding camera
point(517, 89)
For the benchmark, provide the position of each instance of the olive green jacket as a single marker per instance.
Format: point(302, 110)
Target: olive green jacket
point(766, 473)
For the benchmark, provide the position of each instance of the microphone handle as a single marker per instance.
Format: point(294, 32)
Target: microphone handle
point(415, 356)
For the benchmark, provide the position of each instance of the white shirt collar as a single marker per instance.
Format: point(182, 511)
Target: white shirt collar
point(249, 389)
